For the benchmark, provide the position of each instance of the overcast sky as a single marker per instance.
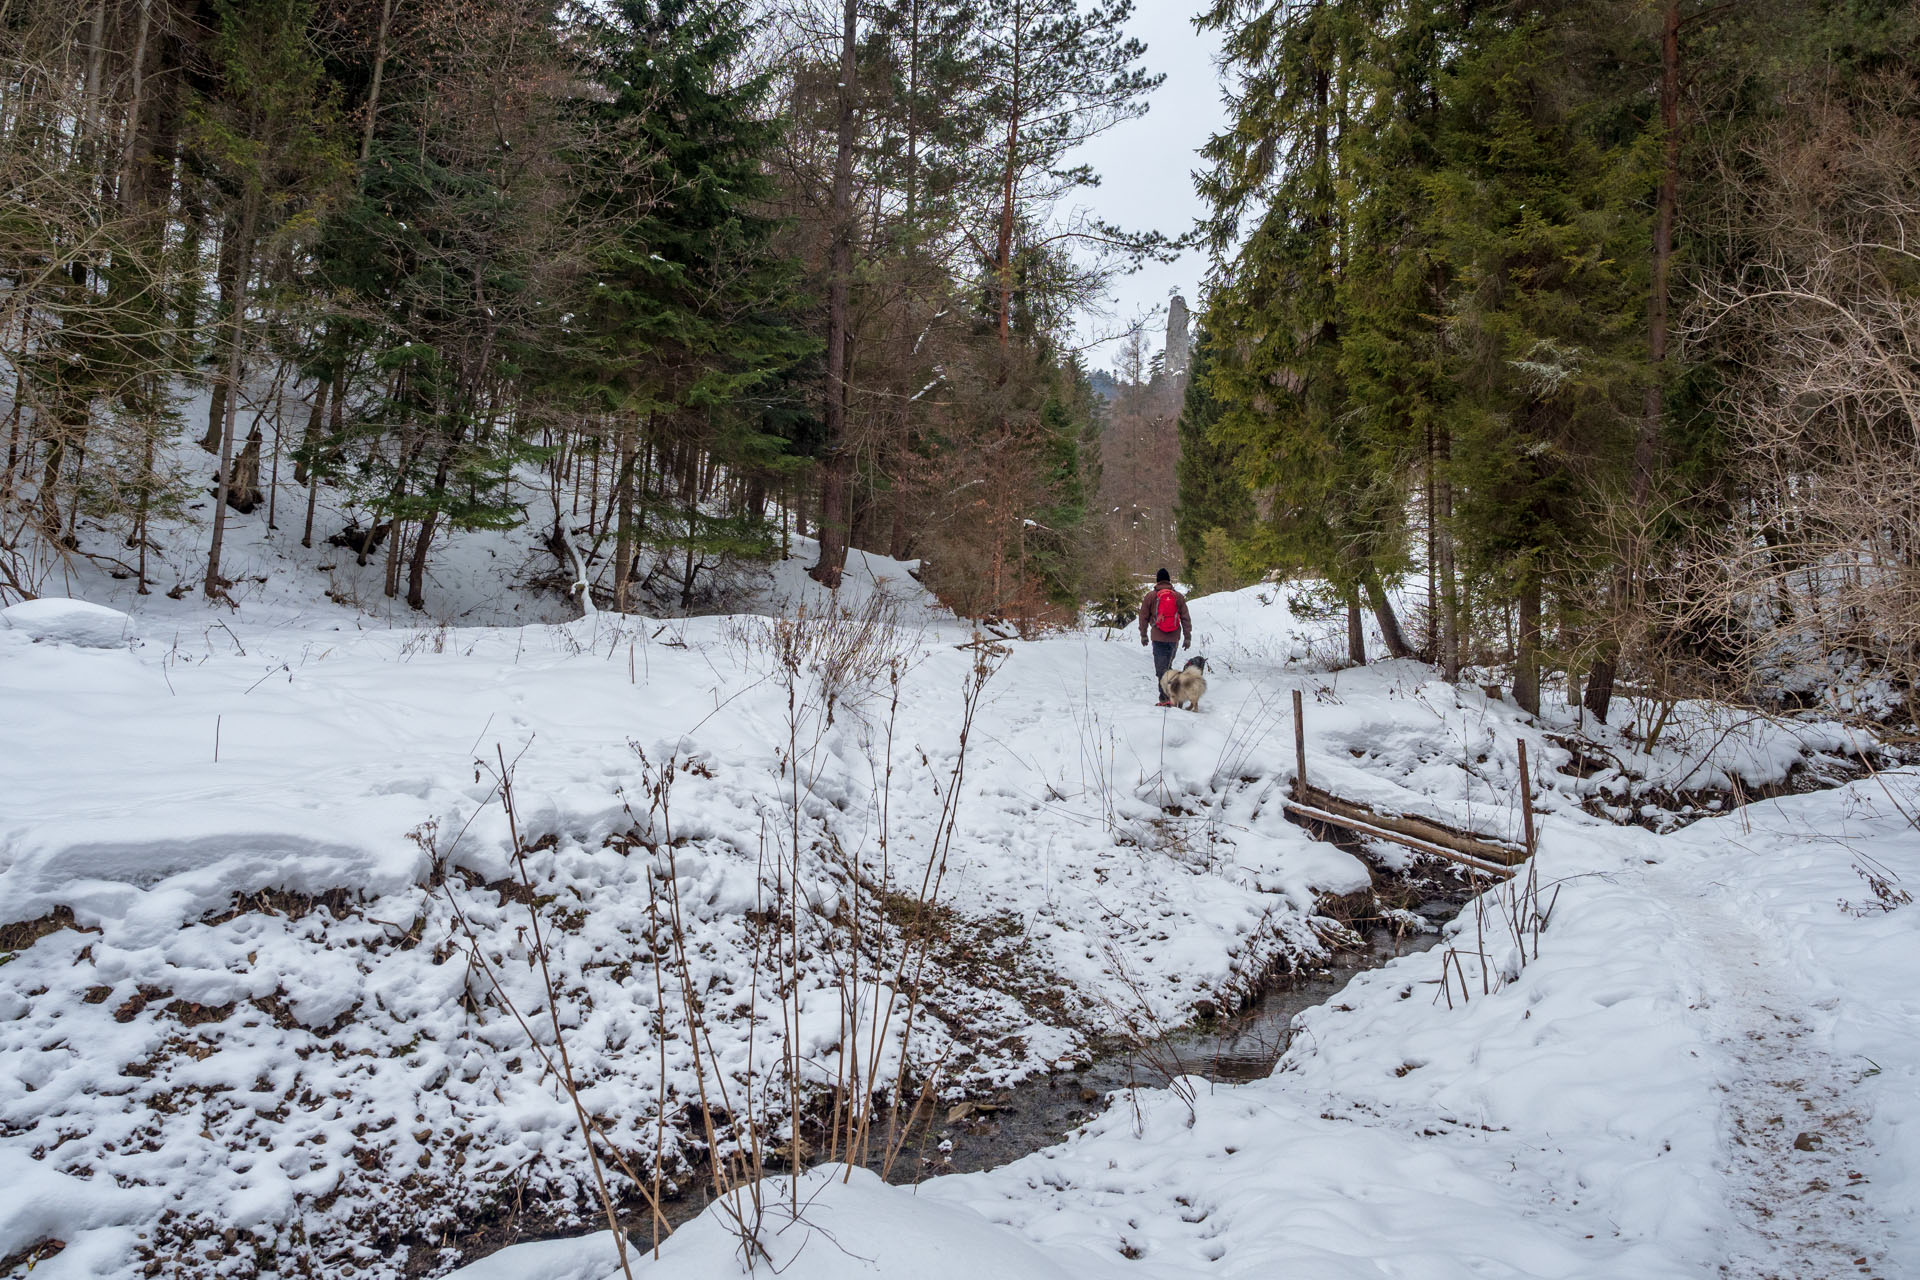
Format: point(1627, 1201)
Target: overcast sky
point(1146, 168)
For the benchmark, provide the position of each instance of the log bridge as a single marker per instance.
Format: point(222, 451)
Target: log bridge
point(1311, 807)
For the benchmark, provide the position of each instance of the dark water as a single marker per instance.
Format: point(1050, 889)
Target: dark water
point(1244, 1046)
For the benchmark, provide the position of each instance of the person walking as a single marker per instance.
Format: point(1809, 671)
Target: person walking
point(1163, 615)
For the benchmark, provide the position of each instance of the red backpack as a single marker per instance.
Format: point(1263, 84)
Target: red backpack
point(1166, 610)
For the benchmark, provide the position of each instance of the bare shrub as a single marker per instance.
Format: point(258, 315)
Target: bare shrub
point(1824, 396)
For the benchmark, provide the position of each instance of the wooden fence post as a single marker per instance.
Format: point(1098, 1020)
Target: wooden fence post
point(1526, 796)
point(1299, 750)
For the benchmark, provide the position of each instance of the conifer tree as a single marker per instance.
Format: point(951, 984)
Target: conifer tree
point(687, 320)
point(1539, 208)
point(1213, 508)
point(1336, 501)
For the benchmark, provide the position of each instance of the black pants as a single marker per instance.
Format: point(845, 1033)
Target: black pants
point(1163, 651)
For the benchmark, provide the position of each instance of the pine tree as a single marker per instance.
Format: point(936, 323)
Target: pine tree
point(1213, 502)
point(687, 322)
point(1539, 208)
point(1335, 497)
point(1056, 73)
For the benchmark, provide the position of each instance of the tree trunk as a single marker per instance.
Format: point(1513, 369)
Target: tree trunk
point(837, 464)
point(1449, 575)
point(396, 535)
point(623, 541)
point(338, 384)
point(1432, 498)
point(1390, 633)
point(136, 103)
point(373, 90)
point(310, 442)
point(417, 563)
point(1356, 632)
point(146, 500)
point(219, 411)
point(1526, 664)
point(214, 585)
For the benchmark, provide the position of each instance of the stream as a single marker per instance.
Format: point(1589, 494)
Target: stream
point(986, 1133)
point(1242, 1046)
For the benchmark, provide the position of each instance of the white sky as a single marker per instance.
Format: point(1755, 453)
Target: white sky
point(1146, 165)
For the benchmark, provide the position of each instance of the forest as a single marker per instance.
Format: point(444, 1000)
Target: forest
point(1589, 322)
point(1597, 318)
point(705, 269)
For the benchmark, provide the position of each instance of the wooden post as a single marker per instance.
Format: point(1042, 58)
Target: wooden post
point(1299, 750)
point(1526, 796)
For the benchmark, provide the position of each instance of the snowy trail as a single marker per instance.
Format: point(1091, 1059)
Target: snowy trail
point(1794, 1118)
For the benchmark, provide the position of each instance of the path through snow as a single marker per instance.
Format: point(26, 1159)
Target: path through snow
point(1796, 1124)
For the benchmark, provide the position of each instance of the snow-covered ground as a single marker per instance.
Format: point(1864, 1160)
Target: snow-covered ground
point(245, 1031)
point(1711, 1069)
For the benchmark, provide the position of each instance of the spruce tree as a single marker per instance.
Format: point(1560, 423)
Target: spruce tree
point(1539, 208)
point(688, 319)
point(1213, 509)
point(1336, 501)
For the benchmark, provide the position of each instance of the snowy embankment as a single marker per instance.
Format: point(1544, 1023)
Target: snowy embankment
point(1712, 1068)
point(254, 872)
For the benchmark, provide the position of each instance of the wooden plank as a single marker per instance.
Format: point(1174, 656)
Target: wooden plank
point(1358, 827)
point(1429, 830)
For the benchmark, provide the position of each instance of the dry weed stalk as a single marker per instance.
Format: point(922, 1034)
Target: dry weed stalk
point(558, 1062)
point(823, 663)
point(1518, 908)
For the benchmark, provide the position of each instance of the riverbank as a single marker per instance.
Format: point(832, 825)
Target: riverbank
point(1712, 1068)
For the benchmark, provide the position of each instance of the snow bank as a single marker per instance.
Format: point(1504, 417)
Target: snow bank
point(74, 622)
point(852, 1224)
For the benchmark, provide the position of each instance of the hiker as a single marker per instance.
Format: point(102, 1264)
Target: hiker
point(1164, 612)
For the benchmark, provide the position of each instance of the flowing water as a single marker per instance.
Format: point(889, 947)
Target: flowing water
point(987, 1133)
point(1244, 1046)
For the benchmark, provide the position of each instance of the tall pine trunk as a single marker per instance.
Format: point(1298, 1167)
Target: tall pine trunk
point(1356, 631)
point(214, 585)
point(837, 466)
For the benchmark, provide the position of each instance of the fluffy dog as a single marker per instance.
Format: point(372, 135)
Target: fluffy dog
point(1184, 687)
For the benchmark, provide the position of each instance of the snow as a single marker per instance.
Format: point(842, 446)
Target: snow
point(1629, 1104)
point(266, 1014)
point(849, 1223)
point(74, 622)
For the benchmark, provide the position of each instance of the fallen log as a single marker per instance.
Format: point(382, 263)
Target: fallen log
point(1429, 830)
point(1349, 823)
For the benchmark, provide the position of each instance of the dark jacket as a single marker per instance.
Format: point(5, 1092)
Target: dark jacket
point(1150, 613)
